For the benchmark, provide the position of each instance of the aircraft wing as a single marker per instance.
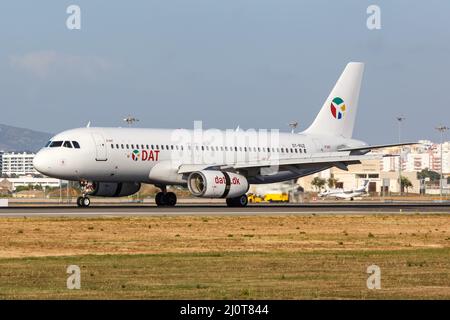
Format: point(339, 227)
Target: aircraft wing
point(377, 146)
point(337, 159)
point(332, 158)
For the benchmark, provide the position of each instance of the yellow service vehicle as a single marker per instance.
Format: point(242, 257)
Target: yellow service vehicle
point(276, 197)
point(253, 198)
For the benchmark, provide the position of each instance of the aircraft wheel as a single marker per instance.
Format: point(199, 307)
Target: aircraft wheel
point(230, 202)
point(159, 199)
point(85, 202)
point(79, 203)
point(241, 201)
point(170, 199)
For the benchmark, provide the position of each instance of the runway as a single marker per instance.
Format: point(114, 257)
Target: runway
point(217, 209)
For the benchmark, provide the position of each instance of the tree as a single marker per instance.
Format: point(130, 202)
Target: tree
point(427, 173)
point(37, 187)
point(318, 183)
point(22, 188)
point(332, 182)
point(405, 183)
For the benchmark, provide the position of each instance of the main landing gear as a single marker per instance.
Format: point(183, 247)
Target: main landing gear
point(165, 198)
point(241, 201)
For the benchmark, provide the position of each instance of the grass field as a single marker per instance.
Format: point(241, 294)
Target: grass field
point(249, 257)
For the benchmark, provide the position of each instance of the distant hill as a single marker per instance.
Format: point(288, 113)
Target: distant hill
point(19, 139)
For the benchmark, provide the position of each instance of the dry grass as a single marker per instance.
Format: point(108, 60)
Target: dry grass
point(227, 257)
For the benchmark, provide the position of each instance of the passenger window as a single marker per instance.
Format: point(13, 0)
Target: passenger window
point(132, 146)
point(300, 150)
point(304, 150)
point(117, 146)
point(142, 146)
point(157, 147)
point(56, 144)
point(112, 146)
point(121, 146)
point(152, 146)
point(128, 146)
point(171, 147)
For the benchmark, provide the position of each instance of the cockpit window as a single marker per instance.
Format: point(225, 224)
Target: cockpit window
point(56, 144)
point(67, 144)
point(76, 145)
point(47, 144)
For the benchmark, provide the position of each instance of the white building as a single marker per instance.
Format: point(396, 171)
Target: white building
point(426, 155)
point(1, 160)
point(18, 163)
point(27, 181)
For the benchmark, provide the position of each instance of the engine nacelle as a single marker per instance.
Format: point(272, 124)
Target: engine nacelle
point(115, 189)
point(217, 184)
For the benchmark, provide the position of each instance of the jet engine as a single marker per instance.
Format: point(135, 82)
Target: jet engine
point(114, 189)
point(217, 184)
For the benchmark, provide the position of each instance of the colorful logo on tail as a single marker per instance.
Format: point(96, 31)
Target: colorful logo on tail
point(337, 108)
point(135, 155)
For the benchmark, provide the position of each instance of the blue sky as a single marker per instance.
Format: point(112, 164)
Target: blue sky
point(252, 63)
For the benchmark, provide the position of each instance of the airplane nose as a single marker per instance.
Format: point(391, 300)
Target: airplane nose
point(40, 162)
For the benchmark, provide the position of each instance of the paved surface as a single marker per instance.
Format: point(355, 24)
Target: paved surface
point(215, 209)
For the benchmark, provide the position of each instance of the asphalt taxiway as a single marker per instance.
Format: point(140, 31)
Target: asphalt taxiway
point(216, 209)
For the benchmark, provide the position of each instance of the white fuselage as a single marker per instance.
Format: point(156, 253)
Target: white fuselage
point(154, 156)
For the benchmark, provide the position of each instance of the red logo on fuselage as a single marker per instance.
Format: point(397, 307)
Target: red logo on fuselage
point(149, 155)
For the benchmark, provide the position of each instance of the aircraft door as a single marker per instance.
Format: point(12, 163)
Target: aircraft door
point(100, 147)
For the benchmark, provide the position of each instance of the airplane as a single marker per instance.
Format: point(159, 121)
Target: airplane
point(114, 162)
point(340, 193)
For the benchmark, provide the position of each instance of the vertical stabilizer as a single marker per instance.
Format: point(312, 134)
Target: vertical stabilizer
point(337, 116)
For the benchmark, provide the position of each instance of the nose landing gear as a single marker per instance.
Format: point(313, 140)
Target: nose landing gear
point(86, 187)
point(83, 201)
